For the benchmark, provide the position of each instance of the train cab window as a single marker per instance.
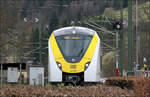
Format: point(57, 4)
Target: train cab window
point(73, 46)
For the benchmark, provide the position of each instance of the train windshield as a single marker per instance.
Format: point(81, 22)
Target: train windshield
point(73, 47)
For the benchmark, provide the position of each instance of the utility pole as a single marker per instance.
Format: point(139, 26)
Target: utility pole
point(137, 35)
point(129, 35)
point(122, 34)
point(40, 31)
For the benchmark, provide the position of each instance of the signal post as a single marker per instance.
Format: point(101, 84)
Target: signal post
point(117, 25)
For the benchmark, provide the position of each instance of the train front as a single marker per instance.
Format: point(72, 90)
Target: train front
point(74, 55)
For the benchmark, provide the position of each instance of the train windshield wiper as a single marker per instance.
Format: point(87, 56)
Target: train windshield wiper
point(80, 52)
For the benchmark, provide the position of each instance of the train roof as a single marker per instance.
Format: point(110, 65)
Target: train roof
point(74, 30)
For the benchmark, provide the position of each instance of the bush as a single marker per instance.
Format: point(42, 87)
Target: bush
point(121, 82)
point(108, 65)
point(142, 87)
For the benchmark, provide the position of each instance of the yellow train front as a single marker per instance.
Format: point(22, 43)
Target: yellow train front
point(74, 55)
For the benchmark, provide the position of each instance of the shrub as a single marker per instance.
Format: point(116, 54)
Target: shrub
point(142, 87)
point(120, 82)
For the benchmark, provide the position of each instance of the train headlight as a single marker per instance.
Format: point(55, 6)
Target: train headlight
point(87, 65)
point(59, 65)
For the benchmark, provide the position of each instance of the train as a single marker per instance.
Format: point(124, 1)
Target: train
point(74, 56)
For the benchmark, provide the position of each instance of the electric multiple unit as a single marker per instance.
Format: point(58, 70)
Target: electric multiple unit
point(74, 55)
